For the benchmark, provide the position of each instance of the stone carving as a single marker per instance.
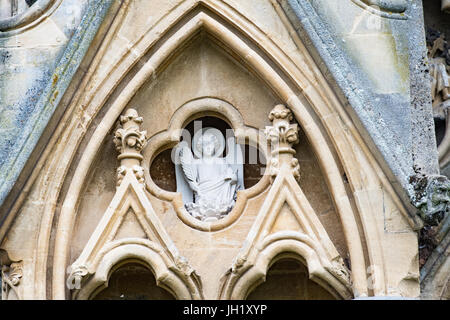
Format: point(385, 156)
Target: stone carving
point(130, 141)
point(432, 197)
point(432, 193)
point(129, 138)
point(439, 61)
point(438, 52)
point(338, 268)
point(446, 6)
point(389, 5)
point(11, 274)
point(282, 136)
point(209, 182)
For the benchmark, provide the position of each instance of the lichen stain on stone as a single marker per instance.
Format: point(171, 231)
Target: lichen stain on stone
point(55, 79)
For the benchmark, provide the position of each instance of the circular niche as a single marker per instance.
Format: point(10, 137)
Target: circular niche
point(16, 15)
point(163, 169)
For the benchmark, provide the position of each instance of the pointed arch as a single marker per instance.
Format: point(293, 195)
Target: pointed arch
point(322, 117)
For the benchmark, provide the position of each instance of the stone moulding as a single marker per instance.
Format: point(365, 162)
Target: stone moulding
point(393, 9)
point(103, 251)
point(170, 137)
point(39, 11)
point(331, 132)
point(11, 274)
point(50, 99)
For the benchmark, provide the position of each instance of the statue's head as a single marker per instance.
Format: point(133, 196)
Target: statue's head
point(207, 143)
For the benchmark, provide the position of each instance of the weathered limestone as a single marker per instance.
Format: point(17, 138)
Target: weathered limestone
point(11, 274)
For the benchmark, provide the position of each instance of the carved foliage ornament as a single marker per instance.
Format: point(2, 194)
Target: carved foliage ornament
point(18, 15)
point(432, 197)
point(128, 137)
point(446, 6)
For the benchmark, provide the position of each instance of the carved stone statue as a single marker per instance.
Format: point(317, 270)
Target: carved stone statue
point(439, 70)
point(208, 181)
point(389, 5)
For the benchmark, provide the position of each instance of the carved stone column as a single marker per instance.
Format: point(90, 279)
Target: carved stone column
point(130, 141)
point(282, 135)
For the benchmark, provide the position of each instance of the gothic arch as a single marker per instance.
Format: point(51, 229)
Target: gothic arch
point(316, 109)
point(238, 284)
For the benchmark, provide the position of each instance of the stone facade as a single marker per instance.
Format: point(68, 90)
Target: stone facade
point(340, 168)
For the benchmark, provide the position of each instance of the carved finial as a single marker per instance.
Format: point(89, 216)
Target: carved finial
point(282, 136)
point(130, 141)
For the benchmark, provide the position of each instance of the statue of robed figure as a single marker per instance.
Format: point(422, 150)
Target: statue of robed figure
point(209, 182)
